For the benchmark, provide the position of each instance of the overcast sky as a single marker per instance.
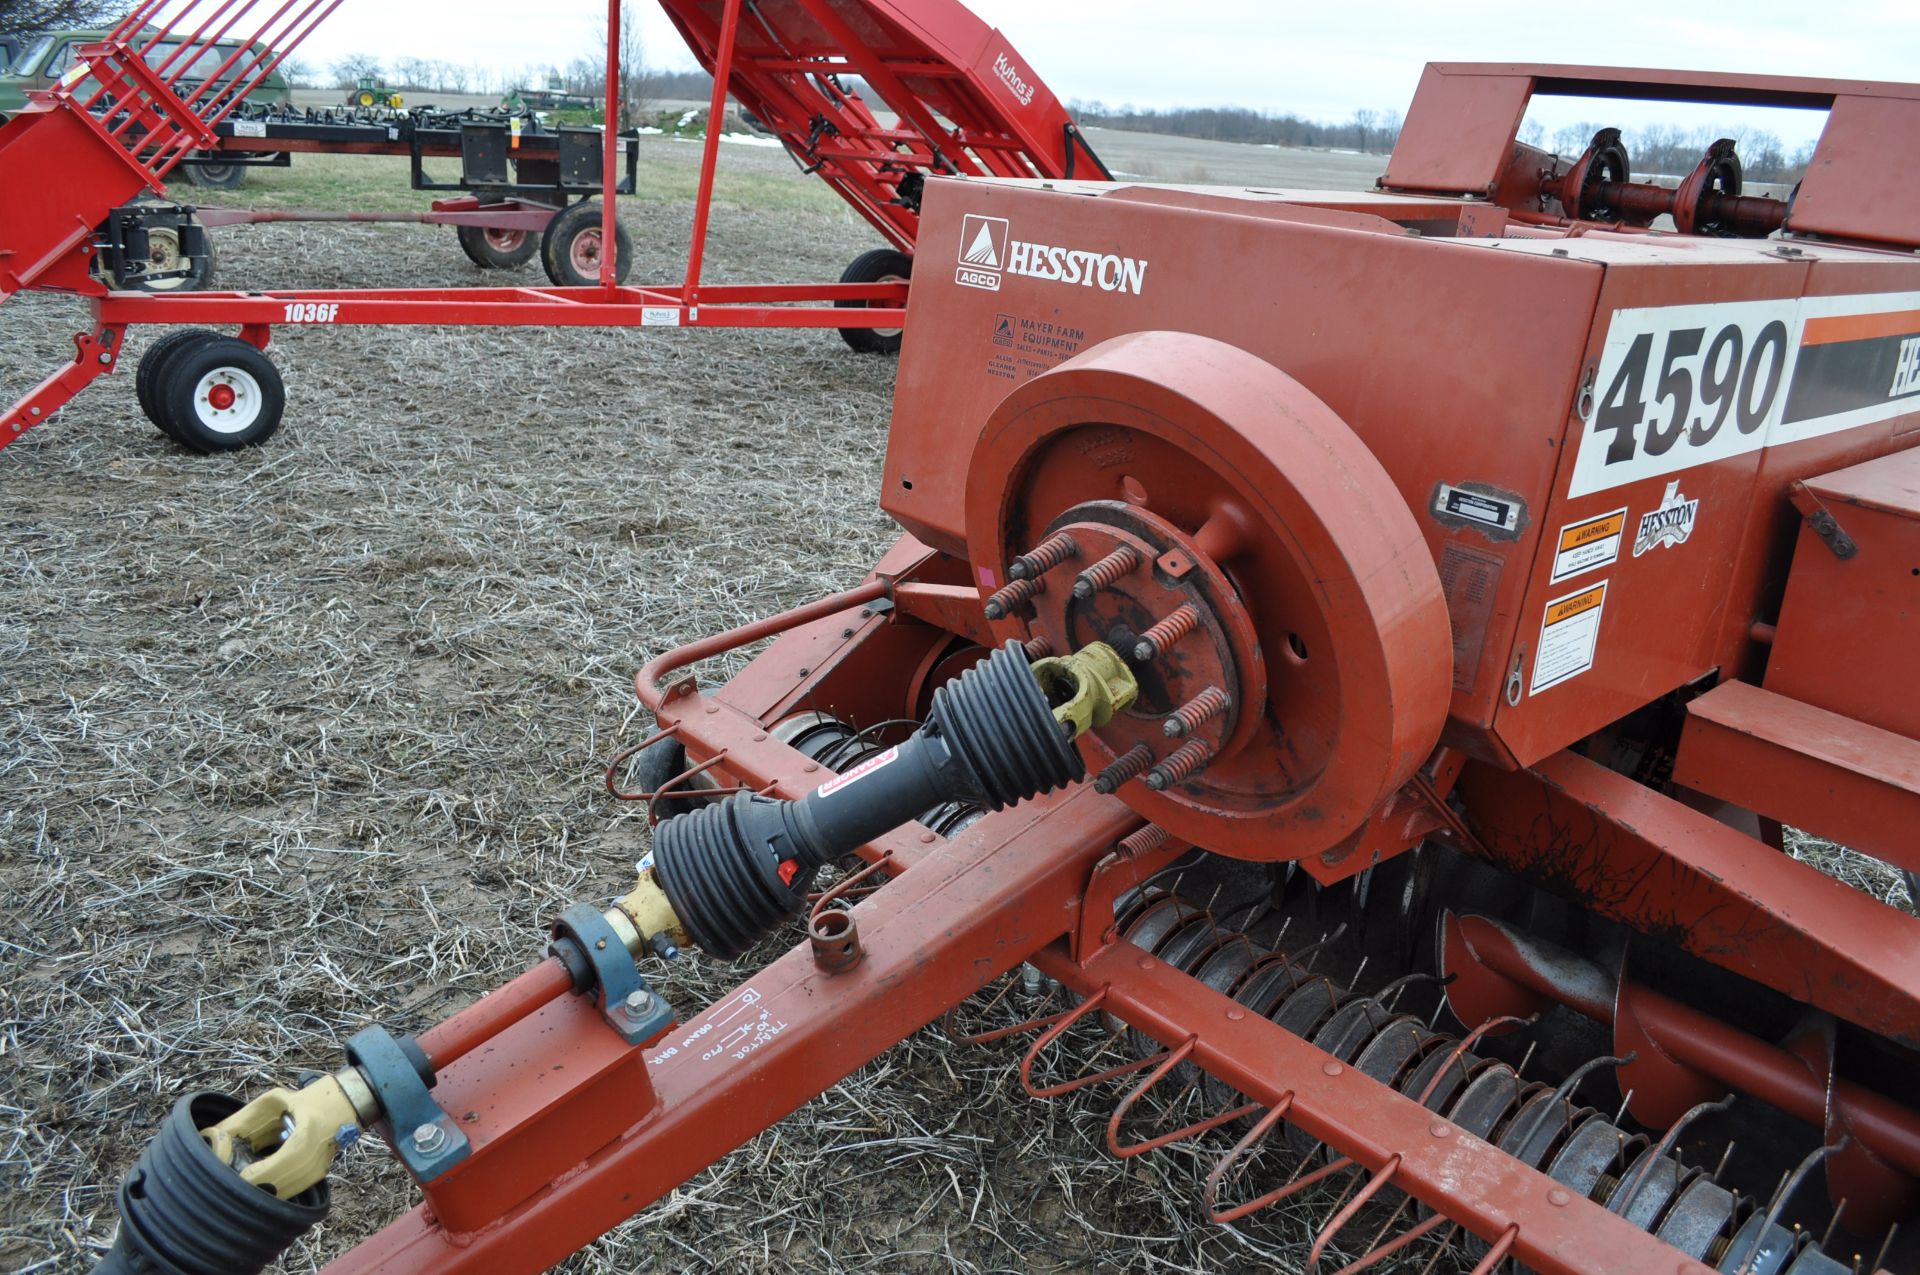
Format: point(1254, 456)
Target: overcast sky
point(1322, 60)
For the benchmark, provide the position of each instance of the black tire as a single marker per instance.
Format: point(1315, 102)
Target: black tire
point(498, 249)
point(569, 250)
point(220, 395)
point(882, 265)
point(216, 176)
point(153, 368)
point(197, 279)
point(656, 766)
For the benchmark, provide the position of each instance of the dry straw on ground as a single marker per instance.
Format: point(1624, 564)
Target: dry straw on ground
point(295, 740)
point(309, 736)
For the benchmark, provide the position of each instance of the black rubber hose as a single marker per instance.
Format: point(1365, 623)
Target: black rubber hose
point(734, 869)
point(183, 1212)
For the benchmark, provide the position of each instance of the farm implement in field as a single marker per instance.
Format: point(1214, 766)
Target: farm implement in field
point(517, 176)
point(1374, 717)
point(966, 105)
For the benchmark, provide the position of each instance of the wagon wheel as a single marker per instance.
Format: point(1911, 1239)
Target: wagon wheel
point(154, 365)
point(882, 265)
point(571, 249)
point(219, 395)
point(216, 176)
point(163, 249)
point(493, 248)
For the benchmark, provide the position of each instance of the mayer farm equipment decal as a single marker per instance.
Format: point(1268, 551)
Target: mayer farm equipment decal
point(1680, 386)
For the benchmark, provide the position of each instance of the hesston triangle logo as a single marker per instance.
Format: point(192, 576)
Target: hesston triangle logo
point(988, 252)
point(984, 251)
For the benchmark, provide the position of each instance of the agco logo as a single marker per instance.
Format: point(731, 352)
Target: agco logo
point(988, 252)
point(983, 251)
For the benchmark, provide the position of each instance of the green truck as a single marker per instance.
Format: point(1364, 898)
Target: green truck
point(52, 54)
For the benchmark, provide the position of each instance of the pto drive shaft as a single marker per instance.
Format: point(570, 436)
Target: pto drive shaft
point(1000, 733)
point(224, 1188)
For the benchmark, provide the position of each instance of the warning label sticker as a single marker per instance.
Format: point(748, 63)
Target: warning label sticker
point(1583, 546)
point(1568, 634)
point(860, 772)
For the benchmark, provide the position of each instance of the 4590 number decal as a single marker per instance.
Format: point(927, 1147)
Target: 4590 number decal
point(1682, 386)
point(1687, 385)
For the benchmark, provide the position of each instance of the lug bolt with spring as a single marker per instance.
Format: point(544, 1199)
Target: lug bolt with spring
point(1158, 639)
point(1130, 763)
point(1180, 765)
point(1043, 557)
point(1103, 573)
point(1196, 712)
point(1004, 602)
point(1037, 649)
point(1144, 840)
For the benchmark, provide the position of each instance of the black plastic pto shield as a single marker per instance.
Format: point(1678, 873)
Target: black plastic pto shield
point(184, 1212)
point(732, 870)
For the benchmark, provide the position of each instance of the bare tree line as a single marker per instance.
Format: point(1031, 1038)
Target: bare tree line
point(1656, 151)
point(1363, 131)
point(29, 17)
point(585, 76)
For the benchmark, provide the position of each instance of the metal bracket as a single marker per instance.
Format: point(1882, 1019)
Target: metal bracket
point(1828, 528)
point(427, 1139)
point(1821, 520)
point(625, 1001)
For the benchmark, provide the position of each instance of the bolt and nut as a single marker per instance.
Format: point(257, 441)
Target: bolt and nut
point(639, 1001)
point(429, 1138)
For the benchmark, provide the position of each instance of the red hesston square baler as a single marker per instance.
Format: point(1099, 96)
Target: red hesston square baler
point(1362, 649)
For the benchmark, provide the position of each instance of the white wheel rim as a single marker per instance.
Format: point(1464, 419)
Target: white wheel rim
point(242, 410)
point(163, 252)
point(889, 333)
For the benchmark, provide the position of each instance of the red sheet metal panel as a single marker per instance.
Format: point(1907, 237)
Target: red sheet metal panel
point(1831, 775)
point(1849, 627)
point(1462, 127)
point(1565, 416)
point(1630, 853)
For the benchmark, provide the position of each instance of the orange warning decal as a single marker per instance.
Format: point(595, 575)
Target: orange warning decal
point(1581, 533)
point(1567, 608)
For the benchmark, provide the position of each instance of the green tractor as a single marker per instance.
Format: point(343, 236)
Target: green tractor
point(370, 92)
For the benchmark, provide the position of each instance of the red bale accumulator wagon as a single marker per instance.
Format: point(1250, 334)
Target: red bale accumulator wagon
point(965, 104)
point(1361, 650)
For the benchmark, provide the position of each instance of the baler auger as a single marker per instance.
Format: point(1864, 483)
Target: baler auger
point(1448, 593)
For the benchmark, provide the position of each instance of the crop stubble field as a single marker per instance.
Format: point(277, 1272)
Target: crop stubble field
point(311, 736)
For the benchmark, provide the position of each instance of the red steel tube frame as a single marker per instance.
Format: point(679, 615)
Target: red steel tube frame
point(687, 304)
point(1011, 888)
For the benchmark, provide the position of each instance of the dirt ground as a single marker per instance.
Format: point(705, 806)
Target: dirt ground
point(308, 737)
point(304, 738)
